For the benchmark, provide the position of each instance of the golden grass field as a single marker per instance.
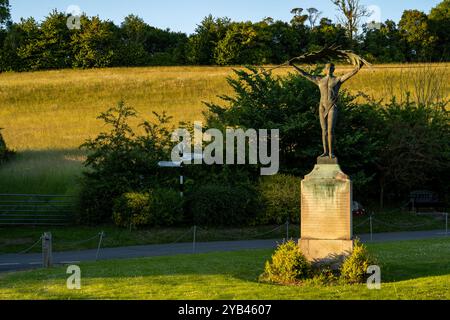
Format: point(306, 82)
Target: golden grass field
point(47, 115)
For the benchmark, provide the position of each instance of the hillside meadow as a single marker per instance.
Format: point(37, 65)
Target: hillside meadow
point(47, 115)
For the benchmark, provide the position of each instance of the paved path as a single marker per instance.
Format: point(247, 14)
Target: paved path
point(14, 262)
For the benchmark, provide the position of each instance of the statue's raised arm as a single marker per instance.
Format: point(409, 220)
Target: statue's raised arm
point(352, 73)
point(305, 74)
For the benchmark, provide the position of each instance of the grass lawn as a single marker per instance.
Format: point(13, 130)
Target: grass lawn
point(410, 270)
point(17, 239)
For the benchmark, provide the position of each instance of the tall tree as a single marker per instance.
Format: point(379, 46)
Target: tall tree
point(415, 31)
point(244, 43)
point(313, 16)
point(134, 34)
point(383, 44)
point(299, 18)
point(5, 14)
point(327, 34)
point(285, 42)
point(48, 46)
point(351, 13)
point(439, 19)
point(94, 44)
point(202, 45)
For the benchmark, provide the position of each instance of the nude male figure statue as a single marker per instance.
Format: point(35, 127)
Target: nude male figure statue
point(329, 86)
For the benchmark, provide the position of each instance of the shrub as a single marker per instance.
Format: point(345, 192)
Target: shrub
point(280, 195)
point(120, 161)
point(166, 207)
point(225, 205)
point(354, 268)
point(287, 266)
point(160, 207)
point(132, 209)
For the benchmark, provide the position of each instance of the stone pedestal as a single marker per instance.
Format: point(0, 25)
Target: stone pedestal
point(326, 217)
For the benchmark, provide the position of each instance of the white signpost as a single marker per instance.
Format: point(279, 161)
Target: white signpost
point(186, 159)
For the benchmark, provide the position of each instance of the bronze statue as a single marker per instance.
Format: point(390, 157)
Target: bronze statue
point(329, 86)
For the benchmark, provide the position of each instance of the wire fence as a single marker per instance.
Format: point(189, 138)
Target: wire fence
point(32, 246)
point(250, 237)
point(190, 235)
point(193, 233)
point(372, 222)
point(78, 242)
point(362, 223)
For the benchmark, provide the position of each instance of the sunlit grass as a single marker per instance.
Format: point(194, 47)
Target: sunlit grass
point(410, 270)
point(55, 111)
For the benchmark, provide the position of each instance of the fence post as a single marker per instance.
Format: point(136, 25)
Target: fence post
point(371, 229)
point(47, 256)
point(182, 181)
point(99, 245)
point(194, 239)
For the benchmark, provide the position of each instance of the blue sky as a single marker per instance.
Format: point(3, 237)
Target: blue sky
point(182, 15)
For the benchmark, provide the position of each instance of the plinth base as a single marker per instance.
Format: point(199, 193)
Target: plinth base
point(325, 251)
point(327, 160)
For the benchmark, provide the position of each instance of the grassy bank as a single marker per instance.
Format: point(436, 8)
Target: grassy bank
point(410, 270)
point(47, 115)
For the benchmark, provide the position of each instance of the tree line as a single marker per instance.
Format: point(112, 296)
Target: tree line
point(50, 44)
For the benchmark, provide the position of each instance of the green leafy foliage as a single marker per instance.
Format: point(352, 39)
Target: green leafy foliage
point(132, 210)
point(218, 203)
point(120, 161)
point(203, 43)
point(29, 45)
point(416, 149)
point(416, 33)
point(280, 195)
point(354, 268)
point(384, 44)
point(93, 45)
point(287, 266)
point(439, 23)
point(244, 43)
point(159, 207)
point(45, 46)
point(5, 13)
